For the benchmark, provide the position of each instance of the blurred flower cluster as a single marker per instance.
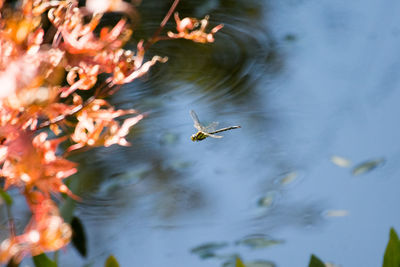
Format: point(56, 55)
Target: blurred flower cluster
point(49, 52)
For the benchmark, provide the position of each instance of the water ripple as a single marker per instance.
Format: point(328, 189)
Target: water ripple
point(242, 54)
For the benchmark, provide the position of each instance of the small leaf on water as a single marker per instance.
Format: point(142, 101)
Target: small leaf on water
point(111, 262)
point(290, 37)
point(258, 241)
point(367, 166)
point(239, 263)
point(392, 253)
point(207, 250)
point(229, 263)
point(6, 197)
point(78, 236)
point(340, 161)
point(43, 261)
point(336, 213)
point(289, 178)
point(207, 254)
point(260, 263)
point(315, 262)
point(267, 200)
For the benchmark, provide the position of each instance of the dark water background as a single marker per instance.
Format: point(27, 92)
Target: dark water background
point(306, 80)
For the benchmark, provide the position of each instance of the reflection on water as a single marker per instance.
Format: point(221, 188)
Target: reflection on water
point(304, 86)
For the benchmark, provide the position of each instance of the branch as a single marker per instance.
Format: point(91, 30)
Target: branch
point(101, 92)
point(156, 37)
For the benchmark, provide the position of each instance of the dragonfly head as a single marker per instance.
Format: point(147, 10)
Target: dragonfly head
point(194, 137)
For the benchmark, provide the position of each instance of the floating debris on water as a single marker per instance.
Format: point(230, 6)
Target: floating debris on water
point(207, 250)
point(341, 161)
point(289, 178)
point(290, 37)
point(336, 213)
point(257, 263)
point(258, 241)
point(267, 200)
point(367, 166)
point(260, 263)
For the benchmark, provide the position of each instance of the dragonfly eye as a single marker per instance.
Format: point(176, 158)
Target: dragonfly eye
point(193, 137)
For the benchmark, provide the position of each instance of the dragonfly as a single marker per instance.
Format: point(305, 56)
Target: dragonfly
point(207, 131)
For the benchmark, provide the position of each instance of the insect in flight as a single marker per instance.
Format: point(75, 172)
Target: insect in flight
point(207, 131)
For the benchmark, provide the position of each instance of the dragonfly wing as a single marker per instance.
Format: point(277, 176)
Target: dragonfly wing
point(211, 127)
point(196, 121)
point(213, 135)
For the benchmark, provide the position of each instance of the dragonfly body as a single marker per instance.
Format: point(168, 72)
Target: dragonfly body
point(198, 136)
point(209, 131)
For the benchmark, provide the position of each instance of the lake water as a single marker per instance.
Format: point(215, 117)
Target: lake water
point(306, 80)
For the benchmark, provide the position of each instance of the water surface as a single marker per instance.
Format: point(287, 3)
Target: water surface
point(306, 80)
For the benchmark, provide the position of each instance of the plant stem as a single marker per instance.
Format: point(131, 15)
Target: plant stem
point(156, 37)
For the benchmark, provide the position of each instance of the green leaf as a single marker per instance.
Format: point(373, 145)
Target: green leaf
point(239, 263)
point(207, 250)
point(68, 207)
point(315, 262)
point(111, 262)
point(367, 166)
point(6, 197)
point(43, 261)
point(78, 236)
point(392, 253)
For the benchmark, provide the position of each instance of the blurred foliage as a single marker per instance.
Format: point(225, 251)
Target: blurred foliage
point(392, 253)
point(390, 259)
point(79, 236)
point(12, 263)
point(239, 263)
point(315, 262)
point(6, 197)
point(111, 262)
point(43, 261)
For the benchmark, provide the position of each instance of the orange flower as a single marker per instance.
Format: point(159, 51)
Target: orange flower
point(97, 127)
point(186, 26)
point(46, 231)
point(25, 153)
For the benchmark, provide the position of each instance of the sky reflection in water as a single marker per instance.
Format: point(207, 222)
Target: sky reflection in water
point(306, 80)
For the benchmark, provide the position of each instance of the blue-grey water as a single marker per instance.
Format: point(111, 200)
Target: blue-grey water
point(306, 80)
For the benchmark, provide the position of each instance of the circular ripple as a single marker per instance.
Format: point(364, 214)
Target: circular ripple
point(242, 53)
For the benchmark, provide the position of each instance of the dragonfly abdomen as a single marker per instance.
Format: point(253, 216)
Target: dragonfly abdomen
point(225, 129)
